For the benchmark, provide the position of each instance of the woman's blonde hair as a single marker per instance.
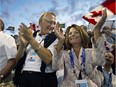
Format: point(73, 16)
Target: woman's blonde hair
point(83, 34)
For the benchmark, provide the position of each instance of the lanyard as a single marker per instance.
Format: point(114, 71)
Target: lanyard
point(72, 60)
point(43, 38)
point(83, 56)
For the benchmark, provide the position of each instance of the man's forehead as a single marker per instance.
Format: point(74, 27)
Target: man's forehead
point(49, 16)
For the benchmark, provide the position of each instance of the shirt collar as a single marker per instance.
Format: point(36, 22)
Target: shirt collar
point(41, 34)
point(111, 71)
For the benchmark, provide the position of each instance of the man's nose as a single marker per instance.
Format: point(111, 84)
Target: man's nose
point(52, 25)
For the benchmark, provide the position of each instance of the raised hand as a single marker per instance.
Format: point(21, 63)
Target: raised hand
point(58, 32)
point(23, 41)
point(98, 26)
point(27, 32)
point(60, 36)
point(104, 14)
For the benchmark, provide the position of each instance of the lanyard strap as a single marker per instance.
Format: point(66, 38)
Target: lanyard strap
point(72, 61)
point(71, 58)
point(83, 56)
point(43, 39)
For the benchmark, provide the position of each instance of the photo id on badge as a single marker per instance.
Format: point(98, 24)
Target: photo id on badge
point(32, 57)
point(33, 54)
point(81, 83)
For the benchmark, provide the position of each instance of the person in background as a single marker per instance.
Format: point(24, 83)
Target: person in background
point(106, 71)
point(38, 68)
point(109, 35)
point(111, 38)
point(84, 27)
point(8, 50)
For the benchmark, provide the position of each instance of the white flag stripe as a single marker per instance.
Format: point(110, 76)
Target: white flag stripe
point(110, 13)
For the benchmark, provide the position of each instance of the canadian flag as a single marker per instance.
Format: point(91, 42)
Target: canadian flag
point(95, 15)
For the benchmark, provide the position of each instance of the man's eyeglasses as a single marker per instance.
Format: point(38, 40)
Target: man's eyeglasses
point(50, 22)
